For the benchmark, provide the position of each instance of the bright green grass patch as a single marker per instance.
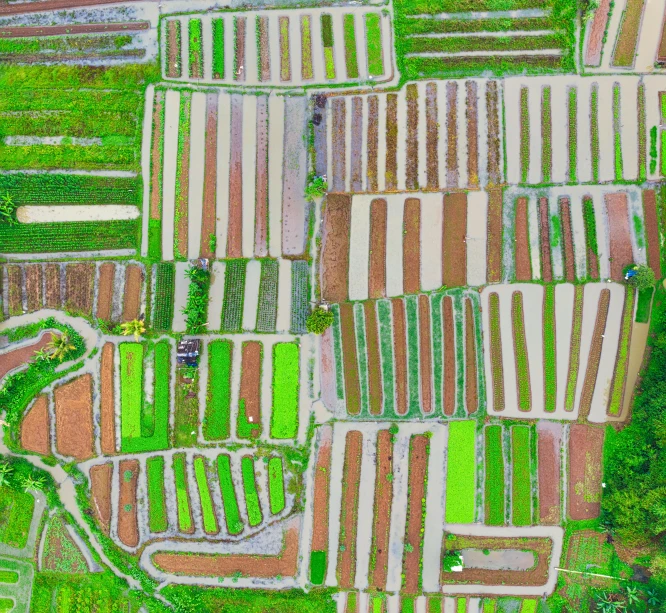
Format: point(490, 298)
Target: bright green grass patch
point(547, 151)
point(520, 347)
point(164, 296)
point(207, 509)
point(7, 604)
point(231, 512)
point(194, 29)
point(437, 357)
point(218, 48)
point(555, 231)
point(521, 491)
point(435, 605)
point(276, 485)
point(406, 604)
point(643, 306)
point(528, 606)
point(155, 239)
point(8, 576)
point(217, 424)
point(461, 472)
point(462, 605)
point(157, 514)
point(489, 606)
point(131, 390)
point(619, 377)
point(373, 37)
point(590, 222)
point(351, 61)
point(317, 567)
point(494, 477)
point(377, 602)
point(182, 496)
point(250, 488)
point(284, 413)
point(573, 139)
point(549, 348)
point(327, 39)
point(16, 510)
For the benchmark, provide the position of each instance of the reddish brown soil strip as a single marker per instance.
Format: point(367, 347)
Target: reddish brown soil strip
point(449, 357)
point(350, 361)
point(382, 511)
point(412, 159)
point(208, 213)
point(107, 273)
point(235, 227)
point(471, 384)
point(351, 480)
point(182, 197)
point(53, 298)
point(595, 354)
point(494, 155)
point(567, 237)
point(108, 425)
point(549, 475)
point(321, 491)
point(13, 359)
point(79, 287)
point(522, 242)
point(400, 354)
point(132, 295)
point(15, 290)
point(494, 245)
point(411, 253)
point(454, 249)
point(652, 231)
point(261, 206)
point(174, 69)
point(377, 268)
point(451, 135)
point(18, 8)
point(472, 135)
point(128, 528)
point(74, 418)
point(338, 135)
point(35, 427)
point(374, 358)
point(264, 53)
point(285, 64)
point(356, 162)
point(544, 231)
point(585, 470)
point(391, 142)
point(33, 286)
point(239, 49)
point(425, 358)
point(432, 138)
point(621, 252)
point(250, 385)
point(220, 565)
point(100, 486)
point(335, 248)
point(87, 28)
point(596, 36)
point(373, 140)
point(592, 259)
point(156, 157)
point(418, 465)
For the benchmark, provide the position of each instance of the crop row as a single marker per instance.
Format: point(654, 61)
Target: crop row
point(164, 296)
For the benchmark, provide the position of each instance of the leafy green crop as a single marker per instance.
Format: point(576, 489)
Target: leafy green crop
point(284, 415)
point(494, 477)
point(231, 512)
point(131, 390)
point(276, 485)
point(216, 425)
point(157, 514)
point(461, 472)
point(207, 508)
point(521, 491)
point(250, 488)
point(182, 495)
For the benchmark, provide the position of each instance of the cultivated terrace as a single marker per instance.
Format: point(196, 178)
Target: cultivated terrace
point(332, 307)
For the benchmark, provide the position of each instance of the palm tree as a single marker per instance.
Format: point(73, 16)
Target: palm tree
point(42, 355)
point(5, 470)
point(632, 595)
point(33, 483)
point(652, 598)
point(135, 327)
point(59, 347)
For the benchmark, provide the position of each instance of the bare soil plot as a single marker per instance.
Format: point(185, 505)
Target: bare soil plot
point(53, 299)
point(261, 196)
point(156, 155)
point(322, 478)
point(239, 47)
point(356, 161)
point(264, 57)
point(454, 250)
point(382, 509)
point(132, 295)
point(377, 264)
point(549, 444)
point(425, 361)
point(174, 69)
point(391, 177)
point(338, 149)
point(375, 391)
point(235, 228)
point(627, 39)
point(585, 471)
point(208, 214)
point(79, 287)
point(544, 230)
point(596, 34)
point(652, 230)
point(74, 418)
point(100, 485)
point(412, 161)
point(9, 360)
point(33, 287)
point(373, 143)
point(15, 290)
point(349, 515)
point(250, 383)
point(411, 253)
point(621, 253)
point(494, 142)
point(400, 355)
point(350, 358)
point(335, 248)
point(35, 427)
point(107, 405)
point(77, 28)
point(472, 134)
point(128, 527)
point(522, 250)
point(452, 134)
point(418, 466)
point(105, 284)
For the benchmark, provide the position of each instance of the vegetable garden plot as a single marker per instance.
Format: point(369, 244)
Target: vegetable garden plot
point(548, 364)
point(427, 137)
point(283, 48)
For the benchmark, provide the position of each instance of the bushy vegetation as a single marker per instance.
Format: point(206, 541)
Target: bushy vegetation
point(157, 514)
point(196, 311)
point(250, 488)
point(164, 296)
point(494, 476)
point(319, 320)
point(229, 500)
point(461, 472)
point(276, 485)
point(521, 491)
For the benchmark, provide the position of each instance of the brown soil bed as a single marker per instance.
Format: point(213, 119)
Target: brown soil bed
point(239, 48)
point(264, 54)
point(49, 5)
point(472, 135)
point(621, 252)
point(156, 157)
point(79, 284)
point(208, 213)
point(356, 161)
point(83, 28)
point(350, 360)
point(174, 69)
point(33, 286)
point(107, 407)
point(132, 295)
point(100, 485)
point(471, 385)
point(338, 144)
point(454, 248)
point(285, 64)
point(9, 360)
point(351, 480)
point(53, 298)
point(411, 251)
point(432, 137)
point(549, 473)
point(321, 492)
point(425, 359)
point(15, 290)
point(625, 47)
point(35, 427)
point(235, 223)
point(377, 266)
point(74, 418)
point(219, 565)
point(418, 466)
point(182, 194)
point(652, 230)
point(451, 135)
point(522, 243)
point(544, 231)
point(105, 284)
point(373, 140)
point(567, 239)
point(585, 471)
point(374, 359)
point(494, 155)
point(449, 357)
point(400, 355)
point(335, 248)
point(261, 191)
point(382, 511)
point(250, 384)
point(494, 246)
point(412, 158)
point(596, 36)
point(128, 528)
point(546, 134)
point(391, 142)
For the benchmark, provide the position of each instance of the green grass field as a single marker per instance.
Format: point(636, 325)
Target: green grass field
point(494, 477)
point(276, 485)
point(207, 508)
point(131, 390)
point(250, 488)
point(217, 424)
point(16, 510)
point(157, 514)
point(521, 490)
point(182, 496)
point(284, 414)
point(231, 511)
point(461, 472)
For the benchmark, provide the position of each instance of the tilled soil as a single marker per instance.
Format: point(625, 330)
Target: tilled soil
point(156, 155)
point(261, 195)
point(471, 385)
point(585, 471)
point(105, 285)
point(382, 508)
point(449, 357)
point(321, 492)
point(53, 298)
point(411, 252)
point(235, 223)
point(356, 162)
point(264, 55)
point(624, 53)
point(377, 264)
point(520, 348)
point(306, 47)
point(35, 427)
point(451, 135)
point(239, 48)
point(250, 384)
point(79, 287)
point(338, 148)
point(574, 350)
point(432, 136)
point(391, 142)
point(49, 5)
point(13, 359)
point(549, 442)
point(107, 406)
point(174, 69)
point(621, 252)
point(400, 355)
point(596, 36)
point(652, 231)
point(567, 239)
point(350, 360)
point(374, 358)
point(522, 242)
point(335, 248)
point(495, 226)
point(15, 290)
point(544, 231)
point(128, 528)
point(351, 481)
point(494, 143)
point(472, 134)
point(412, 160)
point(208, 213)
point(74, 418)
point(373, 140)
point(132, 295)
point(33, 286)
point(595, 354)
point(497, 371)
point(546, 134)
point(454, 248)
point(425, 360)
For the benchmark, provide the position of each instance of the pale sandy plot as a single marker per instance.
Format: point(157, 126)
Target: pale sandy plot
point(559, 104)
point(252, 279)
point(283, 321)
point(556, 250)
point(606, 143)
point(381, 146)
point(583, 134)
point(216, 295)
point(449, 605)
point(359, 248)
point(62, 213)
point(650, 35)
point(394, 234)
point(511, 90)
point(462, 134)
point(318, 65)
point(249, 161)
point(639, 336)
point(251, 52)
point(398, 511)
point(629, 127)
point(347, 137)
point(335, 503)
point(275, 140)
point(578, 231)
point(365, 510)
point(564, 301)
point(533, 317)
point(229, 51)
point(635, 205)
point(207, 46)
point(431, 241)
point(171, 119)
point(612, 31)
point(535, 239)
point(222, 171)
point(339, 47)
point(653, 85)
point(534, 106)
point(477, 229)
point(196, 178)
point(361, 57)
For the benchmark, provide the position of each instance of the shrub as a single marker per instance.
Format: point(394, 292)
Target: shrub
point(316, 188)
point(319, 320)
point(196, 310)
point(644, 277)
point(451, 560)
point(317, 567)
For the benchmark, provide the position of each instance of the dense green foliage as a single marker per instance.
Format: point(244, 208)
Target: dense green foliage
point(520, 348)
point(617, 388)
point(207, 508)
point(300, 296)
point(231, 512)
point(268, 295)
point(373, 37)
point(461, 472)
point(521, 490)
point(164, 296)
point(157, 514)
point(319, 320)
point(549, 348)
point(218, 48)
point(182, 496)
point(131, 390)
point(351, 61)
point(284, 413)
point(317, 567)
point(234, 293)
point(216, 424)
point(60, 553)
point(276, 485)
point(16, 509)
point(494, 476)
point(196, 311)
point(250, 488)
point(643, 306)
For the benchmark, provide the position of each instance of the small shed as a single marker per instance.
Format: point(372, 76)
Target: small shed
point(188, 352)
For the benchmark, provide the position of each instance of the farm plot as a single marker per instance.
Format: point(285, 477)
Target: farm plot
point(395, 245)
point(36, 427)
point(221, 193)
point(428, 137)
point(280, 47)
point(551, 352)
point(417, 356)
point(74, 429)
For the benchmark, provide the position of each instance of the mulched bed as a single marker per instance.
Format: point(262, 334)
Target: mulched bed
point(338, 148)
point(132, 295)
point(322, 477)
point(53, 298)
point(522, 242)
point(412, 159)
point(471, 384)
point(105, 285)
point(472, 135)
point(391, 142)
point(15, 290)
point(156, 156)
point(107, 406)
point(264, 53)
point(451, 135)
point(35, 427)
point(373, 140)
point(235, 223)
point(585, 471)
point(356, 162)
point(549, 472)
point(382, 518)
point(400, 355)
point(182, 196)
point(494, 143)
point(335, 249)
point(651, 225)
point(261, 194)
point(621, 252)
point(449, 357)
point(239, 48)
point(350, 360)
point(174, 69)
point(495, 226)
point(33, 286)
point(567, 239)
point(128, 528)
point(411, 252)
point(100, 485)
point(425, 358)
point(250, 384)
point(208, 214)
point(544, 230)
point(13, 359)
point(374, 358)
point(432, 137)
point(74, 418)
point(454, 248)
point(377, 264)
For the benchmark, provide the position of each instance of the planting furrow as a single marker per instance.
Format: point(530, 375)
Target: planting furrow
point(155, 222)
point(248, 161)
point(33, 287)
point(471, 383)
point(132, 294)
point(432, 145)
point(523, 266)
point(411, 254)
point(520, 352)
point(549, 349)
point(249, 424)
point(74, 430)
point(652, 231)
point(411, 141)
point(567, 239)
point(377, 257)
point(495, 229)
point(461, 472)
point(208, 215)
point(107, 404)
point(372, 142)
point(169, 169)
point(425, 358)
point(379, 557)
point(494, 477)
point(391, 166)
point(276, 127)
point(584, 470)
point(454, 253)
point(105, 286)
point(544, 230)
point(521, 486)
point(128, 529)
point(476, 238)
point(411, 310)
point(621, 253)
point(356, 139)
point(216, 425)
point(359, 248)
point(234, 247)
point(350, 360)
point(374, 359)
point(36, 427)
point(182, 177)
point(335, 248)
point(496, 358)
point(451, 134)
point(472, 133)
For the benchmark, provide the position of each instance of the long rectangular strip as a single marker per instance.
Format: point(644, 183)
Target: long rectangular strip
point(379, 556)
point(374, 359)
point(520, 348)
point(544, 227)
point(521, 485)
point(322, 476)
point(549, 349)
point(496, 367)
point(574, 351)
point(400, 353)
point(449, 357)
point(546, 135)
point(622, 362)
point(494, 487)
point(471, 383)
point(425, 359)
point(524, 134)
point(350, 361)
point(567, 238)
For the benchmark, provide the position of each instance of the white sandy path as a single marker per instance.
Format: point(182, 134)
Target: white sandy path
point(431, 241)
point(359, 25)
point(559, 105)
point(606, 142)
point(477, 229)
point(222, 171)
point(512, 131)
point(171, 119)
point(365, 510)
point(650, 35)
point(251, 50)
point(249, 161)
point(556, 250)
point(294, 48)
point(578, 235)
point(207, 46)
point(184, 49)
point(274, 46)
point(180, 296)
point(359, 248)
point(381, 145)
point(146, 150)
point(612, 31)
point(387, 46)
point(401, 138)
point(629, 127)
point(398, 511)
point(482, 130)
point(216, 296)
point(283, 321)
point(252, 280)
point(583, 134)
point(393, 603)
point(318, 64)
point(635, 209)
point(395, 206)
point(533, 317)
point(449, 605)
point(309, 388)
point(474, 605)
point(196, 179)
point(229, 46)
point(422, 135)
point(534, 106)
point(463, 178)
point(236, 356)
point(534, 235)
point(564, 301)
point(67, 213)
point(275, 144)
point(339, 47)
point(601, 220)
point(442, 141)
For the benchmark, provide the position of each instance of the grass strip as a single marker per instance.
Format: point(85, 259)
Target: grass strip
point(622, 362)
point(276, 485)
point(306, 47)
point(157, 514)
point(362, 354)
point(521, 486)
point(524, 134)
point(250, 488)
point(234, 292)
point(231, 511)
point(574, 352)
point(218, 48)
point(16, 510)
point(386, 351)
point(520, 348)
point(182, 496)
point(317, 567)
point(351, 61)
point(300, 296)
point(496, 352)
point(642, 160)
point(268, 293)
point(195, 33)
point(495, 486)
point(217, 423)
point(207, 508)
point(327, 40)
point(131, 390)
point(337, 352)
point(373, 37)
point(573, 136)
point(549, 349)
point(412, 310)
point(617, 132)
point(284, 411)
point(461, 472)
